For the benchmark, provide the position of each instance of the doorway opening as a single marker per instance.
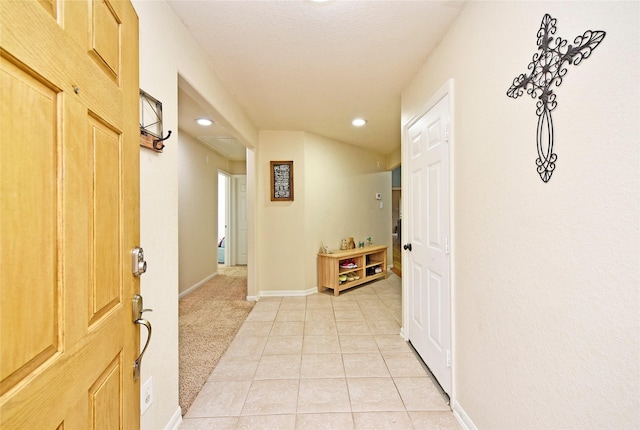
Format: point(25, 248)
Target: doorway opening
point(212, 286)
point(396, 219)
point(223, 218)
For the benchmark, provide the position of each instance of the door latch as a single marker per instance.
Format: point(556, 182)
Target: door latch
point(138, 265)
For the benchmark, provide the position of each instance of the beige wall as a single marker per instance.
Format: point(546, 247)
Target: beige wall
point(159, 220)
point(335, 185)
point(394, 158)
point(546, 279)
point(341, 182)
point(167, 50)
point(237, 167)
point(198, 211)
point(281, 224)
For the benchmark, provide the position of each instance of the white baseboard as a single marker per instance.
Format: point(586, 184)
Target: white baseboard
point(175, 421)
point(403, 333)
point(252, 298)
point(196, 286)
point(462, 417)
point(287, 293)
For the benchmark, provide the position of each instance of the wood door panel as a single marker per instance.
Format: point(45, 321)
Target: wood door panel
point(78, 159)
point(51, 6)
point(106, 214)
point(95, 88)
point(29, 229)
point(105, 37)
point(27, 406)
point(105, 397)
point(69, 214)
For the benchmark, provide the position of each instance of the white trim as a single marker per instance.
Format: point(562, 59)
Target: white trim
point(462, 417)
point(233, 219)
point(447, 89)
point(403, 334)
point(232, 222)
point(196, 286)
point(288, 293)
point(175, 421)
point(227, 215)
point(252, 298)
point(452, 236)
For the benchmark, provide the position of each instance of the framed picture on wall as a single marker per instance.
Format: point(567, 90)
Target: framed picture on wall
point(281, 181)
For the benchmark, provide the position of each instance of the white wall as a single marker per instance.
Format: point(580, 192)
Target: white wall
point(546, 291)
point(167, 50)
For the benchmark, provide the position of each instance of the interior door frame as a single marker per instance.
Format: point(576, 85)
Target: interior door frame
point(234, 214)
point(227, 214)
point(443, 91)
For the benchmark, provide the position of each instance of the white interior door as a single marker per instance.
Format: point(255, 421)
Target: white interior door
point(427, 242)
point(224, 210)
point(241, 236)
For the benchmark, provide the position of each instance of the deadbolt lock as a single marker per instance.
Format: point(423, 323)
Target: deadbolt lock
point(139, 266)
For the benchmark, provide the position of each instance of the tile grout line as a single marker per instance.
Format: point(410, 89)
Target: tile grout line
point(376, 337)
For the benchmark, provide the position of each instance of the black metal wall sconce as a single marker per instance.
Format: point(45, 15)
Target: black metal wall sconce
point(548, 67)
point(151, 123)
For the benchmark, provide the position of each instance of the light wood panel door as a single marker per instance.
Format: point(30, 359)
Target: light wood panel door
point(69, 192)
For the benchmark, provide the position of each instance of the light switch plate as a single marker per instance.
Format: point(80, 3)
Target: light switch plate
point(146, 396)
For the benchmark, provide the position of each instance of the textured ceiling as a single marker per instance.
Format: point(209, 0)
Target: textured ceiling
point(216, 135)
point(300, 65)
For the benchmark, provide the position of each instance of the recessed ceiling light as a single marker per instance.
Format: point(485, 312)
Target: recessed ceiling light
point(359, 122)
point(204, 122)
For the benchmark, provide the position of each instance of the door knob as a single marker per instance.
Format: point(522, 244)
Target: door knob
point(407, 247)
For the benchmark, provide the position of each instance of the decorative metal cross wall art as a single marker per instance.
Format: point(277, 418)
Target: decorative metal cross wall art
point(548, 68)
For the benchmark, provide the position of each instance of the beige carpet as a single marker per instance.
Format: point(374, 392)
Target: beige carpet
point(209, 319)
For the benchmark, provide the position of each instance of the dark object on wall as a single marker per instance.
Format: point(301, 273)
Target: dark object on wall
point(548, 68)
point(281, 181)
point(151, 123)
point(221, 251)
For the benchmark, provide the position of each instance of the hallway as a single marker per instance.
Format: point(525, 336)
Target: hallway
point(322, 362)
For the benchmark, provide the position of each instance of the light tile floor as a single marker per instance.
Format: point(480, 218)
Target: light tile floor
point(322, 362)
